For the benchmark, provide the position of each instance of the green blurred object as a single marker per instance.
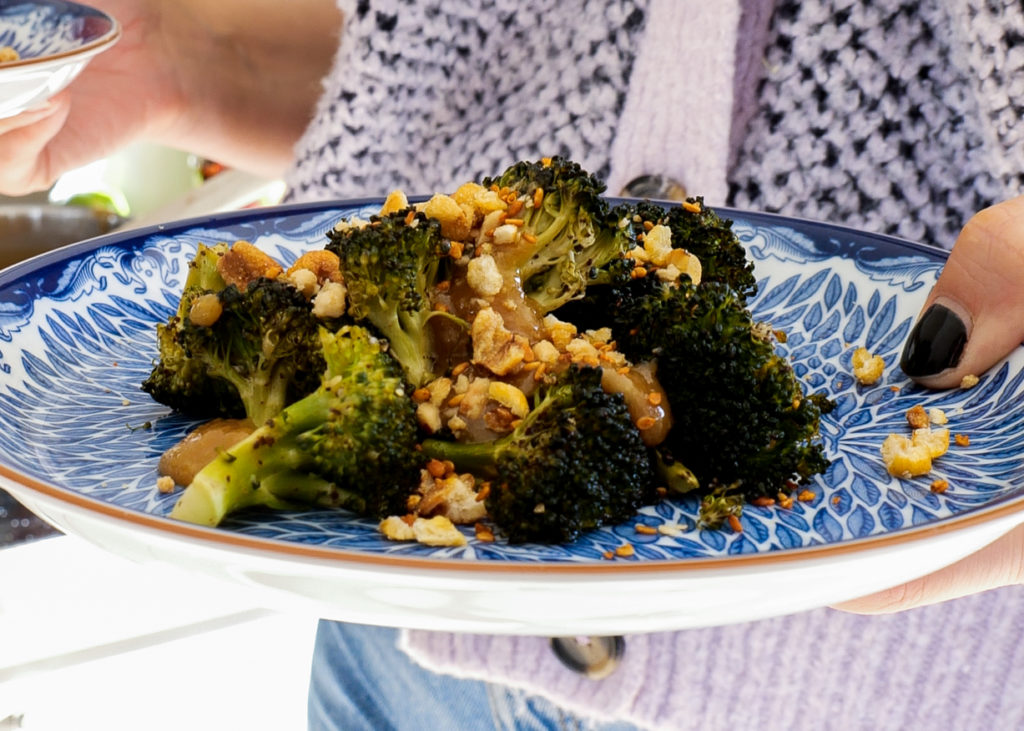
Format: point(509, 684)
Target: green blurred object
point(111, 203)
point(139, 179)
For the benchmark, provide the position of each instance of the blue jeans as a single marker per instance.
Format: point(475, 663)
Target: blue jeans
point(361, 680)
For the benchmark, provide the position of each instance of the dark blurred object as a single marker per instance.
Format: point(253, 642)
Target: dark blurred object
point(18, 525)
point(27, 229)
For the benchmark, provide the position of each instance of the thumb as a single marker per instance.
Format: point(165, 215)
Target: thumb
point(1001, 563)
point(974, 316)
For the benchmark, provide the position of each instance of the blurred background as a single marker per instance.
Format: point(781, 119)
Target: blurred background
point(143, 184)
point(88, 640)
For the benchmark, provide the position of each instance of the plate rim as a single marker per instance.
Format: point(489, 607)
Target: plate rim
point(218, 538)
point(91, 48)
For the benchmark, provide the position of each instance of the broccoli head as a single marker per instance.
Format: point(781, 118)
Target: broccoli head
point(703, 233)
point(741, 418)
point(177, 380)
point(184, 384)
point(575, 462)
point(567, 228)
point(351, 443)
point(390, 268)
point(262, 340)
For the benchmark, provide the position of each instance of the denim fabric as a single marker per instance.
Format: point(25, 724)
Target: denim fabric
point(360, 681)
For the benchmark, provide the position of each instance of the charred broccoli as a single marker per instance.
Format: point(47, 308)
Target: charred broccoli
point(703, 233)
point(567, 228)
point(259, 343)
point(741, 417)
point(390, 267)
point(177, 380)
point(351, 443)
point(575, 462)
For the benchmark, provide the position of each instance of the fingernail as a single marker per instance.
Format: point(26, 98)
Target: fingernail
point(935, 344)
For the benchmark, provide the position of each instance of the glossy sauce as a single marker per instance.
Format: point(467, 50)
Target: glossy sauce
point(182, 461)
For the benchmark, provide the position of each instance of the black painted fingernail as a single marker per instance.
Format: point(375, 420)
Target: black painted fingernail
point(935, 344)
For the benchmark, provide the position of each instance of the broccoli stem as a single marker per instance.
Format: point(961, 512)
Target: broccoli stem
point(478, 458)
point(235, 479)
point(264, 396)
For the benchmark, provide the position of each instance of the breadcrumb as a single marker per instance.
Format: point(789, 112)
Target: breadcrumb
point(484, 276)
point(436, 531)
point(165, 484)
point(907, 457)
point(917, 417)
point(867, 368)
point(330, 300)
point(454, 223)
point(494, 346)
point(395, 202)
point(243, 263)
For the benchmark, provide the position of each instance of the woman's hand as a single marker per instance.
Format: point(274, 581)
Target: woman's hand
point(973, 317)
point(233, 80)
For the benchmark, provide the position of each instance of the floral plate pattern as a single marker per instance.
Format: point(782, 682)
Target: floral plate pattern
point(54, 40)
point(77, 337)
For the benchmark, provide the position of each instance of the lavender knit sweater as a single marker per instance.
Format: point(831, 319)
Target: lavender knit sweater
point(896, 116)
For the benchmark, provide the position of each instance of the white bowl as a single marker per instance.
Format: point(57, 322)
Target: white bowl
point(54, 41)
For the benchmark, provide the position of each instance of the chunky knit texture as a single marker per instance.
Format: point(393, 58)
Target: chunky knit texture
point(902, 116)
point(896, 116)
point(427, 95)
point(951, 666)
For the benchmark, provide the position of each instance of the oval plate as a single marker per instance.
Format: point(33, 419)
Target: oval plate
point(79, 444)
point(55, 40)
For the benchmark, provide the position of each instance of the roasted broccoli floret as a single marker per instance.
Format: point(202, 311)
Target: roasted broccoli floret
point(703, 233)
point(742, 420)
point(261, 341)
point(567, 229)
point(351, 443)
point(575, 462)
point(183, 383)
point(390, 268)
point(177, 380)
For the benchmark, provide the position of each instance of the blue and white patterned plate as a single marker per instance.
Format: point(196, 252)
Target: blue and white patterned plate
point(80, 440)
point(54, 40)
